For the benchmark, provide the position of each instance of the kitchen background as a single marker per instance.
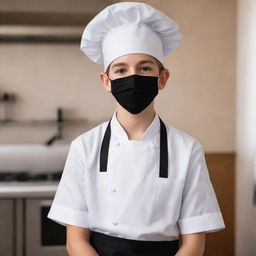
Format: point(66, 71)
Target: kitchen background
point(210, 95)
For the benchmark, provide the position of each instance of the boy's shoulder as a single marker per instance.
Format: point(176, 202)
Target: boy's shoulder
point(181, 138)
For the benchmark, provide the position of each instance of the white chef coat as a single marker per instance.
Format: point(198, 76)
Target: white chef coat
point(130, 200)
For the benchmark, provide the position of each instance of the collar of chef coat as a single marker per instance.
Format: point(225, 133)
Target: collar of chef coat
point(119, 132)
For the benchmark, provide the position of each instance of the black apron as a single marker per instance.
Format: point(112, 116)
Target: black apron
point(107, 245)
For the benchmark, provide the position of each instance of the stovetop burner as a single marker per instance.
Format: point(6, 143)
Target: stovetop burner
point(30, 176)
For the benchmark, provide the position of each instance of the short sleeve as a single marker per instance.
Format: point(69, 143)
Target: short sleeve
point(200, 211)
point(69, 204)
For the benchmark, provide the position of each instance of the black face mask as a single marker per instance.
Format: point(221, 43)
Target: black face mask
point(135, 92)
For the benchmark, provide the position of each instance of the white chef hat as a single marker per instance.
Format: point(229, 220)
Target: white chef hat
point(129, 27)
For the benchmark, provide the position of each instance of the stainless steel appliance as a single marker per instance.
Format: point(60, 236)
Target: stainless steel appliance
point(43, 236)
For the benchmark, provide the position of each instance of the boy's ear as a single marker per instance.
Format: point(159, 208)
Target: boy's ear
point(163, 78)
point(105, 81)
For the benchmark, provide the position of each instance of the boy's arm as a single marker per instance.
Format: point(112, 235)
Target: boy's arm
point(78, 242)
point(192, 244)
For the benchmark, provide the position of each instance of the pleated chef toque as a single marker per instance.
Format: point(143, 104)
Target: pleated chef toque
point(129, 27)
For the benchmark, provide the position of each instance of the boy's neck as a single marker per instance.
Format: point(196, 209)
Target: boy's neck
point(135, 125)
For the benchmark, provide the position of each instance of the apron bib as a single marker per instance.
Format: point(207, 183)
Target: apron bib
point(163, 168)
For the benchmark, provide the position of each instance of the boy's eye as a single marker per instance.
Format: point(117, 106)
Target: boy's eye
point(120, 71)
point(147, 68)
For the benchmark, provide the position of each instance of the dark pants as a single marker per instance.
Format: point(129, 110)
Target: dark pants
point(107, 245)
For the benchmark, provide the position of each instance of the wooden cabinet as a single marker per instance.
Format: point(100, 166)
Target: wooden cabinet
point(222, 171)
point(7, 220)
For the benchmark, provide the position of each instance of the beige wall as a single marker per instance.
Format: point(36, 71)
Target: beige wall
point(199, 98)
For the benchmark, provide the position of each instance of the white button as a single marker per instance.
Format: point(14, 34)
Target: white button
point(113, 189)
point(117, 143)
point(115, 223)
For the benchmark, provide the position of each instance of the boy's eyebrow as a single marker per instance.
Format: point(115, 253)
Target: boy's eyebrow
point(146, 62)
point(119, 64)
point(125, 64)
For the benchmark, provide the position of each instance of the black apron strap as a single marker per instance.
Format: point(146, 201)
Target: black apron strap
point(107, 245)
point(163, 168)
point(163, 172)
point(104, 149)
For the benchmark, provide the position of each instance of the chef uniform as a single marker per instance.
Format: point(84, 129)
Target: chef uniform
point(136, 196)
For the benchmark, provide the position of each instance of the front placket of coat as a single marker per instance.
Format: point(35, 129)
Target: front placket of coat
point(133, 167)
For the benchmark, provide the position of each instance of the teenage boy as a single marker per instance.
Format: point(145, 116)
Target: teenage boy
point(134, 186)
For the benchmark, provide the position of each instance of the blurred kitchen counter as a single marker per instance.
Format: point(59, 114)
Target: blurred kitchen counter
point(27, 189)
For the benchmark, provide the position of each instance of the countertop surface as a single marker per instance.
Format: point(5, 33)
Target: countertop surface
point(27, 189)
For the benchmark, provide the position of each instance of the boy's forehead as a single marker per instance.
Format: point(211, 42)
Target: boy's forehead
point(133, 58)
